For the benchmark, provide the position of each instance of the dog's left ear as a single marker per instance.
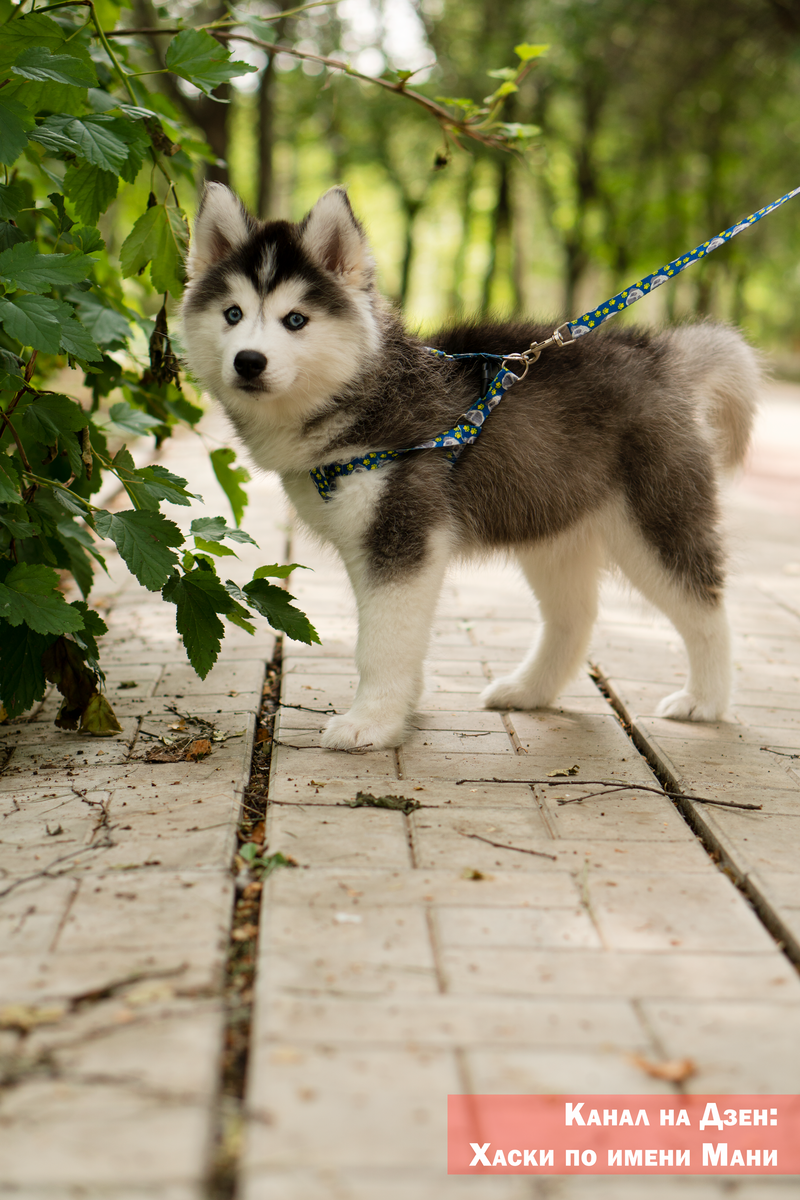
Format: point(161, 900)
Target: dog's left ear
point(222, 224)
point(333, 238)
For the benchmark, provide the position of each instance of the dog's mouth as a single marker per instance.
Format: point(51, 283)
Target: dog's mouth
point(252, 388)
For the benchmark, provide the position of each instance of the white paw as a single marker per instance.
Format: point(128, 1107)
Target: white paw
point(683, 706)
point(351, 732)
point(509, 692)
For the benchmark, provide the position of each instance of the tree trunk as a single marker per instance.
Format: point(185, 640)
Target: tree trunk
point(410, 210)
point(455, 302)
point(501, 223)
point(266, 140)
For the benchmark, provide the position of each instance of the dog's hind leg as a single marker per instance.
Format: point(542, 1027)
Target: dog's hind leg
point(394, 621)
point(564, 575)
point(697, 610)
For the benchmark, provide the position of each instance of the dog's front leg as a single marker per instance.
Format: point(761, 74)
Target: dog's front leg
point(394, 621)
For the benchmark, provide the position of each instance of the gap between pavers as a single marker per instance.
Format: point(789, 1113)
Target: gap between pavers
point(115, 951)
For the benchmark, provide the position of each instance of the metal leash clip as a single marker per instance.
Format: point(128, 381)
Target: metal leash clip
point(559, 337)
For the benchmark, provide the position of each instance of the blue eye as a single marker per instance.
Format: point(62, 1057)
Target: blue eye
point(233, 315)
point(295, 320)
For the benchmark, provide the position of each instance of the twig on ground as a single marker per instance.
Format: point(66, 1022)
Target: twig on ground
point(502, 846)
point(611, 787)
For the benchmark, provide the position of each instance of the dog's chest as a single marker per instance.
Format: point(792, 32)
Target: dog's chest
point(345, 519)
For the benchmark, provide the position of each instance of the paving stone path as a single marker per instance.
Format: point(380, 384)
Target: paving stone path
point(515, 932)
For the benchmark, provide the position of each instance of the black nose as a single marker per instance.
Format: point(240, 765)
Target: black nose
point(249, 363)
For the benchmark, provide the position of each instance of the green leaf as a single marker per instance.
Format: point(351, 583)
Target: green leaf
point(515, 130)
point(12, 199)
point(16, 527)
point(22, 678)
point(22, 266)
point(503, 73)
point(77, 341)
point(214, 529)
point(132, 420)
point(214, 548)
point(15, 120)
point(143, 539)
point(148, 486)
point(107, 326)
point(159, 236)
point(50, 417)
point(37, 62)
point(29, 596)
point(141, 244)
point(199, 596)
point(33, 321)
point(93, 627)
point(98, 144)
point(53, 134)
point(91, 190)
point(273, 571)
point(10, 235)
point(182, 409)
point(168, 269)
point(24, 31)
point(200, 59)
point(9, 481)
point(526, 51)
point(274, 604)
point(505, 89)
point(76, 541)
point(230, 479)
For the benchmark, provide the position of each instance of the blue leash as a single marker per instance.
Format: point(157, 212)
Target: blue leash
point(469, 426)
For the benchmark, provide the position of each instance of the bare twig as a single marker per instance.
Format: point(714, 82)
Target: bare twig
point(611, 787)
point(304, 708)
point(503, 846)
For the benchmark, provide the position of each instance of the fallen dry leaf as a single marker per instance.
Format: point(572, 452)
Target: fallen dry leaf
point(150, 992)
point(27, 1016)
point(674, 1070)
point(245, 933)
point(199, 749)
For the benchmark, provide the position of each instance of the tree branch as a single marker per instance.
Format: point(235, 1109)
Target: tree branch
point(450, 125)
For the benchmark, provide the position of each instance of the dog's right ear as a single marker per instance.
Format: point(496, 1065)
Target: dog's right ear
point(222, 224)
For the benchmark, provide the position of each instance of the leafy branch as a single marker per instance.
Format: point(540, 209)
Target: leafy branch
point(479, 122)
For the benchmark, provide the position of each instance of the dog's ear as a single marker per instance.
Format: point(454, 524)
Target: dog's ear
point(222, 224)
point(335, 240)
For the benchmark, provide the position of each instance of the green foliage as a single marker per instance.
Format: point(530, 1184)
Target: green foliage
point(200, 59)
point(230, 479)
point(262, 865)
point(78, 129)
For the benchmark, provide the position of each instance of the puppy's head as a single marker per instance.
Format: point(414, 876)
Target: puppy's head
point(278, 314)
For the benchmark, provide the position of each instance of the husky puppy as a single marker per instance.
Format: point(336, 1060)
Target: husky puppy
point(606, 455)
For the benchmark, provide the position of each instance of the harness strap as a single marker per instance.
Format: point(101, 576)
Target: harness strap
point(466, 431)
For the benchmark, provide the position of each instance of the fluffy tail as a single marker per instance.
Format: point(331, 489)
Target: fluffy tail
point(724, 374)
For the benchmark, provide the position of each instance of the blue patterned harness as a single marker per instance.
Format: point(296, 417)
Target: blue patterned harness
point(466, 431)
point(468, 428)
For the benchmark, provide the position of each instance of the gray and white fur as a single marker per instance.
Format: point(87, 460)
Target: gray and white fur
point(606, 455)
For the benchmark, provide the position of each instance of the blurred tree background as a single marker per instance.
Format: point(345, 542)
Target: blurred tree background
point(661, 124)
